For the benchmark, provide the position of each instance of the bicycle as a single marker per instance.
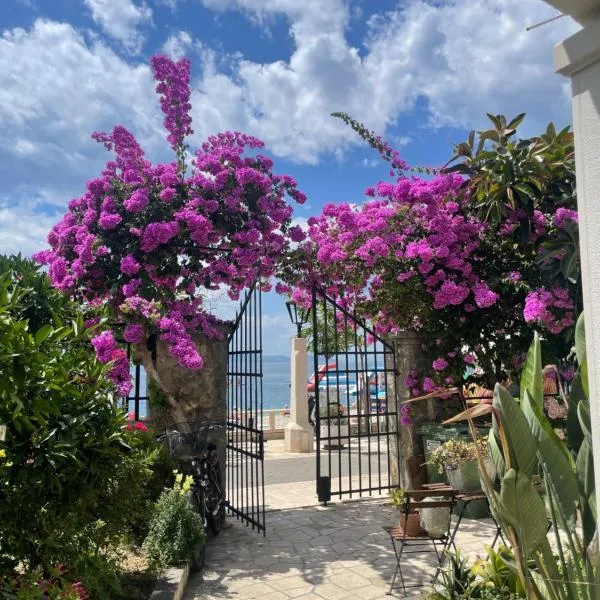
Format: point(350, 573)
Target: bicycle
point(207, 490)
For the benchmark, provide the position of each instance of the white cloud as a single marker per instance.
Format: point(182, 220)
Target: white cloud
point(172, 4)
point(179, 44)
point(302, 222)
point(462, 59)
point(55, 89)
point(277, 330)
point(121, 19)
point(57, 85)
point(23, 228)
point(467, 59)
point(371, 163)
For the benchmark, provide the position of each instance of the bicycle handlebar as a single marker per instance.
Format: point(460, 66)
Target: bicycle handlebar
point(192, 443)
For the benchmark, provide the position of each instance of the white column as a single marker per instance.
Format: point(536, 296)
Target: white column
point(299, 432)
point(578, 57)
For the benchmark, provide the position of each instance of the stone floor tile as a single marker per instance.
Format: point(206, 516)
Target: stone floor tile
point(255, 591)
point(316, 553)
point(275, 596)
point(290, 583)
point(349, 580)
point(282, 570)
point(370, 592)
point(328, 591)
point(301, 592)
point(266, 559)
point(321, 540)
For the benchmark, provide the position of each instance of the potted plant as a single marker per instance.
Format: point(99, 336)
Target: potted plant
point(435, 520)
point(458, 459)
point(410, 522)
point(333, 425)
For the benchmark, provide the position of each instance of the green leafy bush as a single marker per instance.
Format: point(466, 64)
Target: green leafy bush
point(75, 485)
point(176, 530)
point(488, 578)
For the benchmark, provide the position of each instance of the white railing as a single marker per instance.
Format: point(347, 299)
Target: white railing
point(275, 420)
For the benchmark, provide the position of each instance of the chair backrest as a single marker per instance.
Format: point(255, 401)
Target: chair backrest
point(445, 497)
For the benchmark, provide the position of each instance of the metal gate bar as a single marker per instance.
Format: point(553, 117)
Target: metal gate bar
point(245, 442)
point(356, 410)
point(132, 403)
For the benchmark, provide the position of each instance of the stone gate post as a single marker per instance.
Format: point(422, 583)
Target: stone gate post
point(193, 396)
point(410, 471)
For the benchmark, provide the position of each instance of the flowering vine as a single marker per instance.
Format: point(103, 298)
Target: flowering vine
point(145, 240)
point(470, 263)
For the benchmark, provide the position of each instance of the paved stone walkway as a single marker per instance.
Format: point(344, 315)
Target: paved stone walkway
point(336, 552)
point(290, 478)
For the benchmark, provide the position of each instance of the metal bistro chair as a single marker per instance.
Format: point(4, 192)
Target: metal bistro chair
point(423, 542)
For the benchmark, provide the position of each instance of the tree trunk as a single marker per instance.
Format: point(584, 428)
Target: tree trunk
point(193, 396)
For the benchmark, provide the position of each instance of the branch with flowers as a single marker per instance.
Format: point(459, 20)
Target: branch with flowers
point(146, 240)
point(474, 258)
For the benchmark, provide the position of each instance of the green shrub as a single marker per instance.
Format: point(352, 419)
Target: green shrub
point(176, 530)
point(75, 485)
point(36, 586)
point(488, 578)
point(160, 467)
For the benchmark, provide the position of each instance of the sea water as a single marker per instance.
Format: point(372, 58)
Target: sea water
point(276, 382)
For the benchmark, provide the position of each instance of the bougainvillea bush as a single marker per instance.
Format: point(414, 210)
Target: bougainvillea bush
point(145, 240)
point(474, 257)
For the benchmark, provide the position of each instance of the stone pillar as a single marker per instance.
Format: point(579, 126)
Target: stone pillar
point(410, 472)
point(409, 356)
point(578, 57)
point(299, 432)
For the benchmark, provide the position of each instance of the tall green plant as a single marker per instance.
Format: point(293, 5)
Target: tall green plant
point(552, 525)
point(543, 525)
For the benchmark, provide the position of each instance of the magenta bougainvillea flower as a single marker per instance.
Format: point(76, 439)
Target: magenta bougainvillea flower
point(145, 238)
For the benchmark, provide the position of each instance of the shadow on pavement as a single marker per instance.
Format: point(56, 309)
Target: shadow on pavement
point(333, 553)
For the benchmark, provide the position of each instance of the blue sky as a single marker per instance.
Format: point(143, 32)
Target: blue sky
point(421, 72)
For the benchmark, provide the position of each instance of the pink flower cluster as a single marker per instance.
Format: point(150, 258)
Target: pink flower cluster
point(562, 215)
point(145, 239)
point(107, 351)
point(553, 309)
point(414, 227)
point(173, 86)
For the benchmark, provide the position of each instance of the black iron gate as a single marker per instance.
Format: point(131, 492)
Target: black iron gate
point(245, 443)
point(356, 410)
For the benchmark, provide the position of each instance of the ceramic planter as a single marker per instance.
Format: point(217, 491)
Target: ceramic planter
point(465, 477)
point(435, 521)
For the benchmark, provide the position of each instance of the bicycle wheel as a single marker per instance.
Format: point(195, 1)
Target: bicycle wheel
point(214, 501)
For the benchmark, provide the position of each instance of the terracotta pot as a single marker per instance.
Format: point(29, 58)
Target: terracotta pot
point(412, 524)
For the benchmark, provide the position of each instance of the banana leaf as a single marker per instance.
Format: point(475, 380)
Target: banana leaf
point(521, 441)
point(523, 508)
